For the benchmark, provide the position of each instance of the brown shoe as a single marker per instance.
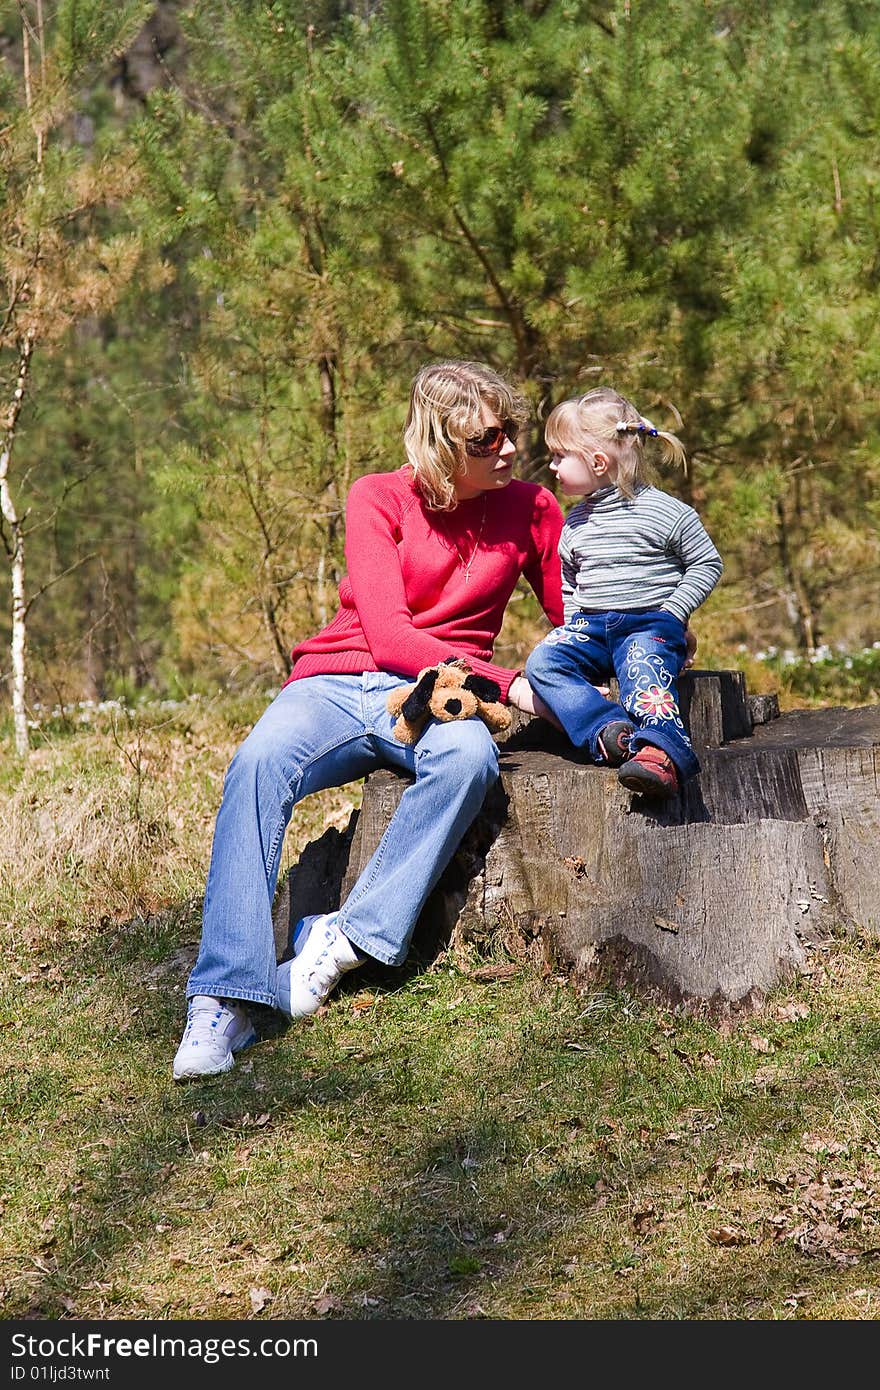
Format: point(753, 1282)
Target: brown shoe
point(651, 772)
point(613, 742)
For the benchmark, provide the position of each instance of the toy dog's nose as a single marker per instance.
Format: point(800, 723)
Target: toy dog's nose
point(453, 706)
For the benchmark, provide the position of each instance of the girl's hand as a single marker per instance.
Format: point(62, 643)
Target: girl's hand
point(690, 649)
point(522, 696)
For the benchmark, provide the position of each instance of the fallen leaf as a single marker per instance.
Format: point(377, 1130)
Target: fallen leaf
point(326, 1304)
point(761, 1044)
point(728, 1235)
point(818, 1143)
point(790, 1013)
point(362, 1003)
point(259, 1298)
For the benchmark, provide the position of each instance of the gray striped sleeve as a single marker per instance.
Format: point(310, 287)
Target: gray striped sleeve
point(700, 562)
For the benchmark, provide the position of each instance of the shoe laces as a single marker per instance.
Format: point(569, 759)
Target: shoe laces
point(203, 1022)
point(326, 968)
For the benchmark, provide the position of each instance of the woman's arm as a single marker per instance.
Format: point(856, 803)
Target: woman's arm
point(543, 569)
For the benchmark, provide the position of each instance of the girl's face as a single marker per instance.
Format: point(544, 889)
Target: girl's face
point(580, 474)
point(492, 471)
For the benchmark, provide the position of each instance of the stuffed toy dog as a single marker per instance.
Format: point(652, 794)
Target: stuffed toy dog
point(447, 691)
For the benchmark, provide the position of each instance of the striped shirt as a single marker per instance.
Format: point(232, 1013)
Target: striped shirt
point(648, 551)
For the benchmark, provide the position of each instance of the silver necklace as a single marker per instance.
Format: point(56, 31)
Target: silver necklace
point(466, 564)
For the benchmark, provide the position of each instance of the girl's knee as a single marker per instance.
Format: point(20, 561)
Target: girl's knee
point(537, 663)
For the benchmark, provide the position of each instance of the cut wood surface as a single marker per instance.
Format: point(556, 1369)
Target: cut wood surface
point(715, 896)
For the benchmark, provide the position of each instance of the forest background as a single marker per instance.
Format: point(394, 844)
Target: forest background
point(231, 232)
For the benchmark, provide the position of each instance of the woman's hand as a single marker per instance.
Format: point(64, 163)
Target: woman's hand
point(522, 696)
point(690, 649)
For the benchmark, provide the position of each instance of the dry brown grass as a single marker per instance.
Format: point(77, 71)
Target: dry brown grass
point(434, 1144)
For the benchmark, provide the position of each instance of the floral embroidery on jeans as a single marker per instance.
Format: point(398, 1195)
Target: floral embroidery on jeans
point(653, 700)
point(564, 636)
point(651, 696)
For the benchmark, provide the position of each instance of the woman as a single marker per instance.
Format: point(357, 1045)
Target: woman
point(434, 551)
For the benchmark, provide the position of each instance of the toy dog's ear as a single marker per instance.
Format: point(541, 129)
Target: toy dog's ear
point(484, 688)
point(416, 703)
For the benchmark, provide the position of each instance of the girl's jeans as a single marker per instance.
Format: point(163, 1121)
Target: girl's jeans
point(645, 651)
point(322, 732)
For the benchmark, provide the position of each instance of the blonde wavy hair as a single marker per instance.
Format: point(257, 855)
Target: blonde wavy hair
point(603, 419)
point(445, 409)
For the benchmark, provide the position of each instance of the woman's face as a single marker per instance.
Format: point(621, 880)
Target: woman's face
point(492, 472)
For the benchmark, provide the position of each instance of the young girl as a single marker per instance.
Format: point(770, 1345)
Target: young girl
point(635, 564)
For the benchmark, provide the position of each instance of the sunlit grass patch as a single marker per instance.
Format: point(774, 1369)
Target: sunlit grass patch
point(442, 1141)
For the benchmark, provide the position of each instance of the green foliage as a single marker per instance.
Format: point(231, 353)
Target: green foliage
point(829, 677)
point(678, 199)
point(88, 32)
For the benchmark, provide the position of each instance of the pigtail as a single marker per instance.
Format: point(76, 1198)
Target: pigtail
point(672, 449)
point(634, 468)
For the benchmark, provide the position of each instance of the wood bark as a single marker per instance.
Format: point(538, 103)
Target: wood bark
point(712, 898)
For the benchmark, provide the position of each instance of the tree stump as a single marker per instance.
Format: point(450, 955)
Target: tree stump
point(713, 897)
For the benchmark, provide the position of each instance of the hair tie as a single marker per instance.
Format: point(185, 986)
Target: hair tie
point(633, 427)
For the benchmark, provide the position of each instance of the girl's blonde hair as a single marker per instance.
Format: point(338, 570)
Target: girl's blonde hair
point(603, 418)
point(445, 408)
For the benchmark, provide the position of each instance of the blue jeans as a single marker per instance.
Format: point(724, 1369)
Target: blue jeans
point(322, 732)
point(645, 651)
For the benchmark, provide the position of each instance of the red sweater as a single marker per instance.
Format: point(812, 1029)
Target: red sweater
point(406, 601)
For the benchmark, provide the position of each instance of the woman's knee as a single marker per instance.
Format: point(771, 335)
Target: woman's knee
point(259, 763)
point(463, 751)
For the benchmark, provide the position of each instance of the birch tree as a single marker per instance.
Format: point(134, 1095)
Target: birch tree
point(66, 249)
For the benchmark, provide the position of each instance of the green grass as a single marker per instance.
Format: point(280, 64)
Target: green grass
point(430, 1145)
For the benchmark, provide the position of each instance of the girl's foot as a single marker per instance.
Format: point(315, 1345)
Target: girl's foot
point(651, 772)
point(613, 742)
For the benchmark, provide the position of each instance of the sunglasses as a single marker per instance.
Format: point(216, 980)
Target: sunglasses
point(492, 442)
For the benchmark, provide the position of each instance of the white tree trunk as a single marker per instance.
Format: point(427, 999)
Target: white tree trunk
point(15, 555)
point(19, 609)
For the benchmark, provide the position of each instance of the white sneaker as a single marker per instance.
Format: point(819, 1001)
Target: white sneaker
point(215, 1029)
point(322, 955)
